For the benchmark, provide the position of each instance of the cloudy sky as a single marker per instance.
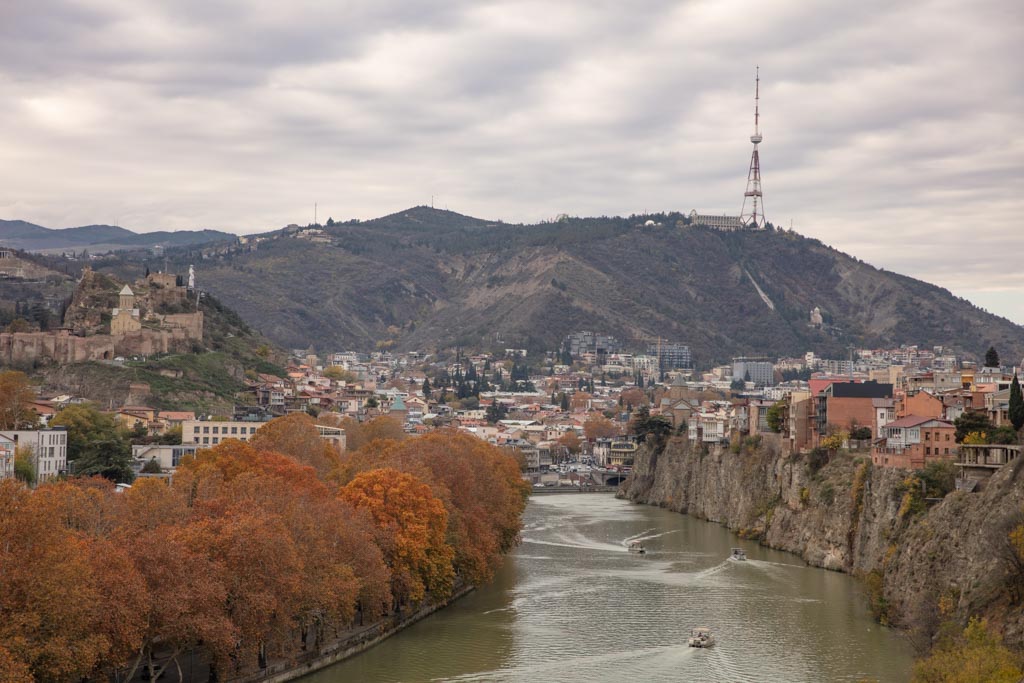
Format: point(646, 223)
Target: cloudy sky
point(892, 131)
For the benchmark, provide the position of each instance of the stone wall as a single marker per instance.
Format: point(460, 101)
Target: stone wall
point(27, 349)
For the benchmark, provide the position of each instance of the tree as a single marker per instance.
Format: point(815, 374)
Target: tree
point(645, 426)
point(599, 427)
point(776, 416)
point(1016, 404)
point(991, 358)
point(495, 412)
point(296, 436)
point(411, 524)
point(151, 467)
point(15, 401)
point(971, 421)
point(18, 325)
point(24, 465)
point(563, 402)
point(95, 444)
point(570, 441)
point(426, 389)
point(975, 655)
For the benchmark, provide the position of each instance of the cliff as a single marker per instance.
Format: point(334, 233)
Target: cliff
point(923, 562)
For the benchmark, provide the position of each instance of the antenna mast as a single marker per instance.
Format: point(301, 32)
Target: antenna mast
point(754, 217)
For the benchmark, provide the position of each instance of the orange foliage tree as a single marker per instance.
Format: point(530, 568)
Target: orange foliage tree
point(250, 553)
point(296, 436)
point(599, 427)
point(412, 525)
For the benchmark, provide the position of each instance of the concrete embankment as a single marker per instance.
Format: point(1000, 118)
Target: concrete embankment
point(922, 562)
point(332, 653)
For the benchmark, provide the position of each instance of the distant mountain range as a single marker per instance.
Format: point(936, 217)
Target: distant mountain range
point(97, 238)
point(423, 279)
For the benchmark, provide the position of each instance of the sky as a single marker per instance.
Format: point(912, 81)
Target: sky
point(892, 131)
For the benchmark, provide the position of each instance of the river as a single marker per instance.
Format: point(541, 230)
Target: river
point(571, 604)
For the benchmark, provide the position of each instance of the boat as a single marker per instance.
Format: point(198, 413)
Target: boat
point(701, 637)
point(738, 554)
point(637, 547)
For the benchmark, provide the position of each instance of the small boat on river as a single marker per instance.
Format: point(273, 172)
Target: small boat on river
point(637, 547)
point(701, 637)
point(738, 554)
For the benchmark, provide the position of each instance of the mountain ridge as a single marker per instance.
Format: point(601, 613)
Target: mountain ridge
point(426, 279)
point(19, 234)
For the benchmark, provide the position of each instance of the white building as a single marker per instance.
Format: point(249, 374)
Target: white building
point(49, 449)
point(168, 457)
point(6, 457)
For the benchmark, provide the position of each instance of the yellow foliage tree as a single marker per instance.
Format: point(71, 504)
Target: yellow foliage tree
point(977, 655)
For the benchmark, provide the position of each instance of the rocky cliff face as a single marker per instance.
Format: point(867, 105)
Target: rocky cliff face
point(922, 562)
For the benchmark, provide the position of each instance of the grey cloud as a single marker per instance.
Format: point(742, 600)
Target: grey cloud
point(891, 129)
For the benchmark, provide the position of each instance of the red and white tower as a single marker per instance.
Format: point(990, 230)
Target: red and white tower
point(754, 217)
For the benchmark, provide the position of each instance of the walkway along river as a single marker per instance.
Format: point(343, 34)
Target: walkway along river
point(571, 604)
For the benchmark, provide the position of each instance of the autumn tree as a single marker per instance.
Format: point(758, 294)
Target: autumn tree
point(570, 441)
point(95, 444)
point(412, 524)
point(53, 616)
point(599, 427)
point(975, 655)
point(15, 401)
point(296, 436)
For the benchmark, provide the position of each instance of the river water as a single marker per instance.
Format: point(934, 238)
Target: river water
point(571, 604)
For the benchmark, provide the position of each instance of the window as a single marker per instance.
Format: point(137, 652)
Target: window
point(927, 436)
point(947, 438)
point(928, 450)
point(206, 439)
point(215, 440)
point(206, 429)
point(196, 429)
point(216, 430)
point(234, 430)
point(947, 451)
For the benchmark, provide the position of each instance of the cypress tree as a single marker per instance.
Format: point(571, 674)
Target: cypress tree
point(1016, 404)
point(991, 358)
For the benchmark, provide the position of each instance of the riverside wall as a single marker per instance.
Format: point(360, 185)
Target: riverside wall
point(922, 565)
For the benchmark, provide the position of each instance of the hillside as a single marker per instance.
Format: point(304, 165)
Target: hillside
point(96, 238)
point(424, 278)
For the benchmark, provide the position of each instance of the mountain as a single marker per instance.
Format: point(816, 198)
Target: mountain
point(424, 278)
point(97, 238)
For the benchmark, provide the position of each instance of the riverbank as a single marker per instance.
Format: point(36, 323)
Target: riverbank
point(921, 565)
point(349, 646)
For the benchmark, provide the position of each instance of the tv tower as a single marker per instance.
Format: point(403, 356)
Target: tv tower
point(754, 217)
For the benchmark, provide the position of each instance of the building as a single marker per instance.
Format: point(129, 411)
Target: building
point(334, 435)
point(846, 406)
point(757, 370)
point(212, 432)
point(125, 318)
point(49, 448)
point(601, 345)
point(168, 457)
point(671, 355)
point(6, 457)
point(912, 442)
point(718, 222)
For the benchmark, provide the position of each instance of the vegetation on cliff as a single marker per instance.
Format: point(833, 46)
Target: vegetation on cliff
point(255, 551)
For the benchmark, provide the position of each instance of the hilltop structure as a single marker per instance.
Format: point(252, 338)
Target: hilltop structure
point(754, 217)
point(149, 320)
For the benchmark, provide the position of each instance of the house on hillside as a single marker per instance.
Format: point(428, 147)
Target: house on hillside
point(912, 442)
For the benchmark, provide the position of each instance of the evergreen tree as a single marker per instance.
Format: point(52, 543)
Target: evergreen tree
point(1016, 404)
point(564, 402)
point(991, 358)
point(426, 388)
